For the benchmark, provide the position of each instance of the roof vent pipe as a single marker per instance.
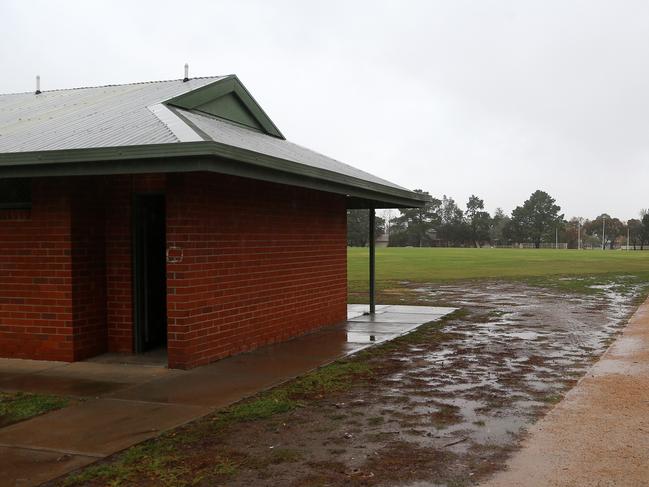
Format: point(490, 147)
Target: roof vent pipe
point(38, 85)
point(186, 78)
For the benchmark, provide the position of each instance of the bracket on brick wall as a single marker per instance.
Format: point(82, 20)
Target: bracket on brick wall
point(174, 254)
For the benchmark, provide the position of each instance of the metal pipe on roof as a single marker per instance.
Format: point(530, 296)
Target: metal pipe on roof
point(186, 78)
point(38, 85)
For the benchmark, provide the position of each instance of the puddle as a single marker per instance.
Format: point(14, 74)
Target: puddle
point(483, 387)
point(447, 410)
point(523, 335)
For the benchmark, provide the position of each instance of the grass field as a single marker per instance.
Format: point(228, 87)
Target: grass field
point(442, 264)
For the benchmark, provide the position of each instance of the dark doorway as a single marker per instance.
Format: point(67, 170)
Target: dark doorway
point(150, 276)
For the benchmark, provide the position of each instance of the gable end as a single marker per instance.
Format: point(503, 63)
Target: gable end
point(230, 100)
point(230, 107)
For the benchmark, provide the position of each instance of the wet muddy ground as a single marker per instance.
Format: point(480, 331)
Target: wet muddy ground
point(444, 406)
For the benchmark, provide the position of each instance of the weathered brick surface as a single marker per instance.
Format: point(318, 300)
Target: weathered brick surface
point(36, 306)
point(88, 272)
point(261, 263)
point(119, 278)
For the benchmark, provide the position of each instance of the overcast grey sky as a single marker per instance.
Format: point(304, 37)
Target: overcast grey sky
point(496, 98)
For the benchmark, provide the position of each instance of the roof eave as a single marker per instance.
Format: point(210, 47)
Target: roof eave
point(203, 156)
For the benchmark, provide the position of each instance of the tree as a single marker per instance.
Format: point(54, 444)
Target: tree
point(477, 220)
point(415, 226)
point(635, 232)
point(498, 223)
point(572, 231)
point(644, 234)
point(535, 220)
point(358, 225)
point(452, 227)
point(612, 228)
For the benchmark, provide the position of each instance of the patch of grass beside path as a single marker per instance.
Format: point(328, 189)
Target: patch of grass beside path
point(174, 459)
point(18, 406)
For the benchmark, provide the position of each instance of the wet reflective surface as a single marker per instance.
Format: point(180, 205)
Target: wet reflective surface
point(494, 374)
point(135, 401)
point(449, 406)
point(444, 406)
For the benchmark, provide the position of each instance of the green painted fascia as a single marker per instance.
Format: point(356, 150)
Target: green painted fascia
point(201, 156)
point(16, 159)
point(230, 84)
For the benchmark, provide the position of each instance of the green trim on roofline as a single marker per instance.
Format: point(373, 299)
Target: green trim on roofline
point(227, 98)
point(203, 156)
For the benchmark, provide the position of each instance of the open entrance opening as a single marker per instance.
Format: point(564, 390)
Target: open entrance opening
point(149, 273)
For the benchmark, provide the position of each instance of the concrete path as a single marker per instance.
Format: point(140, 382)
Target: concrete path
point(598, 436)
point(119, 405)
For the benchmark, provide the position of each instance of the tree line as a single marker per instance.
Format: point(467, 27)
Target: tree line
point(537, 222)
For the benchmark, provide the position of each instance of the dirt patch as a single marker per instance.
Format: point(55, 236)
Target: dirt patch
point(445, 405)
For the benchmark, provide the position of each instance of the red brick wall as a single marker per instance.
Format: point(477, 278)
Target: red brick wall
point(36, 306)
point(52, 273)
point(119, 278)
point(87, 238)
point(119, 275)
point(261, 263)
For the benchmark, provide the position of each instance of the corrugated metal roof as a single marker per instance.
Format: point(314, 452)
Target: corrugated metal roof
point(234, 135)
point(135, 116)
point(104, 116)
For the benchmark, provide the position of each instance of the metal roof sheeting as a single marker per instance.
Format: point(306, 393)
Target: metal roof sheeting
point(234, 135)
point(62, 126)
point(80, 118)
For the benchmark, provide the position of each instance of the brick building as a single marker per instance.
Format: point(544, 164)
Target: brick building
point(167, 214)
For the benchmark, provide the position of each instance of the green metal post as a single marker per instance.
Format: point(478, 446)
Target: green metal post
point(372, 261)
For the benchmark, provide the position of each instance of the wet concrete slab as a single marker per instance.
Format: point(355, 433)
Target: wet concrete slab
point(62, 386)
point(354, 310)
point(153, 358)
point(426, 310)
point(11, 368)
point(110, 372)
point(233, 378)
point(223, 382)
point(24, 366)
point(26, 467)
point(97, 427)
point(397, 318)
point(78, 379)
point(134, 402)
point(368, 338)
point(380, 327)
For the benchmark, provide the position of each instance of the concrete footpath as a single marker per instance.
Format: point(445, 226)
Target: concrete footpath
point(598, 436)
point(118, 405)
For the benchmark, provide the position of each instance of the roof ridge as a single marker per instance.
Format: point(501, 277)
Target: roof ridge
point(117, 84)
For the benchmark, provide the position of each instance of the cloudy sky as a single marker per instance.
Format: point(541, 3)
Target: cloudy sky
point(495, 98)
